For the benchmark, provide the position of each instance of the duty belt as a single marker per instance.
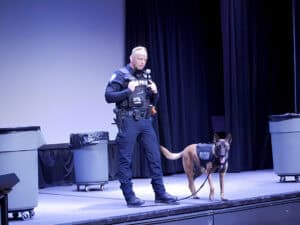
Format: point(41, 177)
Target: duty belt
point(137, 114)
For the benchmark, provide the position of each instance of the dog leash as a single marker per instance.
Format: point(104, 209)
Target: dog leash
point(183, 198)
point(180, 199)
point(201, 186)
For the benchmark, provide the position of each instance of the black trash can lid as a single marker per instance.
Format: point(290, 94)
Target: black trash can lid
point(281, 117)
point(18, 129)
point(79, 140)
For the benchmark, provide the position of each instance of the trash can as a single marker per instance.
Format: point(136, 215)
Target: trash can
point(285, 139)
point(90, 159)
point(18, 154)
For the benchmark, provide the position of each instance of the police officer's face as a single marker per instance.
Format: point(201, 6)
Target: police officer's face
point(139, 60)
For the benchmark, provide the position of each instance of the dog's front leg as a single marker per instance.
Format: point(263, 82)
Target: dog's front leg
point(192, 187)
point(221, 176)
point(211, 188)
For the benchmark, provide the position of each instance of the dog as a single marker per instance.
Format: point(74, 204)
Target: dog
point(199, 158)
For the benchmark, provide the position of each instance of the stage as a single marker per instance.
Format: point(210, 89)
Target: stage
point(255, 197)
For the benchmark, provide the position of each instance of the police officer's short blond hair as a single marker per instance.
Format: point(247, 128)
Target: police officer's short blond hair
point(137, 49)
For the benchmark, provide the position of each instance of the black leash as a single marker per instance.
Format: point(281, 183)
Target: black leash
point(187, 197)
point(180, 199)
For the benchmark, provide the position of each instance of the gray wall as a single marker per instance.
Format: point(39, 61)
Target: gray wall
point(55, 59)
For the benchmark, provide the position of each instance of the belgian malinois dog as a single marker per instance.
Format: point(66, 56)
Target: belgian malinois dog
point(199, 158)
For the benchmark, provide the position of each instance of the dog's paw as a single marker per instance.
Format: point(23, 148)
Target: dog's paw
point(222, 197)
point(195, 197)
point(211, 195)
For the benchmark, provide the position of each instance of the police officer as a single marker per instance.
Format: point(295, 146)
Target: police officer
point(135, 94)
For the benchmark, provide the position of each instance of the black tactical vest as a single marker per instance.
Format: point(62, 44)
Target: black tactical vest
point(139, 98)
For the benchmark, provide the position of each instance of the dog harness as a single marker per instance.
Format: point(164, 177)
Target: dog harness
point(204, 152)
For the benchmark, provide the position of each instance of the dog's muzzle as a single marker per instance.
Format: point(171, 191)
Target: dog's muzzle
point(222, 156)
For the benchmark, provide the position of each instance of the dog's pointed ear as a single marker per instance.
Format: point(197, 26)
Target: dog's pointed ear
point(216, 137)
point(228, 138)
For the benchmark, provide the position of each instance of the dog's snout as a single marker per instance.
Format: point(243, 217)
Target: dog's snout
point(222, 152)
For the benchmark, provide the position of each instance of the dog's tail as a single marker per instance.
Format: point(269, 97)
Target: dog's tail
point(170, 155)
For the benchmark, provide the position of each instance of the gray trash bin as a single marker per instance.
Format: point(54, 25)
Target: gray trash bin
point(285, 138)
point(18, 154)
point(90, 159)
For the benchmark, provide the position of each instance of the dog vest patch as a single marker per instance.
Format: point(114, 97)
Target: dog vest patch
point(204, 152)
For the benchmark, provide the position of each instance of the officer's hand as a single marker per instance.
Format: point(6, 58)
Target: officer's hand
point(132, 84)
point(153, 87)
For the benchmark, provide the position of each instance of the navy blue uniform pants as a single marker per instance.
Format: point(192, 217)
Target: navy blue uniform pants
point(129, 130)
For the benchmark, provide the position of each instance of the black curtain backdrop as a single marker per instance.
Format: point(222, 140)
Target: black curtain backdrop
point(258, 75)
point(228, 57)
point(296, 37)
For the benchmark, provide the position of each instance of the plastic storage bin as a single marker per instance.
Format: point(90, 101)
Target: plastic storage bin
point(285, 138)
point(90, 159)
point(18, 154)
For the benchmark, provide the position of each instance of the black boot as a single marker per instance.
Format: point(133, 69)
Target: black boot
point(161, 196)
point(131, 199)
point(165, 198)
point(135, 202)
